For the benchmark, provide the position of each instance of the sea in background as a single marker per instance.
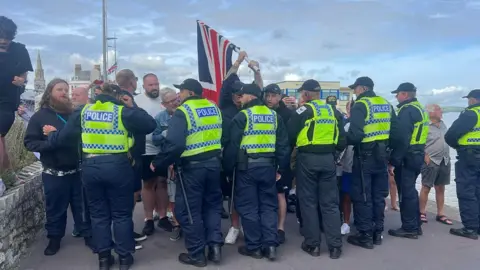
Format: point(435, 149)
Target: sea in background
point(450, 190)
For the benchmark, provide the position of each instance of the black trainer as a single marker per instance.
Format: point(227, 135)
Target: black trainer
point(464, 232)
point(165, 224)
point(139, 237)
point(149, 227)
point(53, 247)
point(281, 236)
point(198, 262)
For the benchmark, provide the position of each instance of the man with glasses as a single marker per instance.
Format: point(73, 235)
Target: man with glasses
point(14, 65)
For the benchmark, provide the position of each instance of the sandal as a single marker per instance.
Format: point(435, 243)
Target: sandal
point(444, 219)
point(423, 218)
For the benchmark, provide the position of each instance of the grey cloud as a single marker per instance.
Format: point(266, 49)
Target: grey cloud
point(279, 34)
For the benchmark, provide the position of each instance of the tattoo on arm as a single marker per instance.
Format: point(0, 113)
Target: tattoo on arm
point(233, 69)
point(258, 79)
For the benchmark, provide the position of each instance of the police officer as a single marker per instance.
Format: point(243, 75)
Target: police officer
point(317, 134)
point(272, 95)
point(408, 157)
point(193, 144)
point(103, 129)
point(464, 136)
point(258, 144)
point(371, 119)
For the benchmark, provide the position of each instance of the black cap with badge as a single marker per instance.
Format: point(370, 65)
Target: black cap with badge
point(273, 88)
point(190, 85)
point(475, 93)
point(310, 85)
point(362, 81)
point(332, 100)
point(250, 89)
point(405, 87)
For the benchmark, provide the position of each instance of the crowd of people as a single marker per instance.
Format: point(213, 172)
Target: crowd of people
point(183, 156)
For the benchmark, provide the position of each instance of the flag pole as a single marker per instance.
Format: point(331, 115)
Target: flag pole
point(104, 17)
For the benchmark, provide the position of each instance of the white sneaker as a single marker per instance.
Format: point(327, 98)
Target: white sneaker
point(232, 236)
point(345, 229)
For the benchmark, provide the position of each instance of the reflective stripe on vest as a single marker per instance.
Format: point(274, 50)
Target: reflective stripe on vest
point(260, 133)
point(103, 131)
point(204, 126)
point(378, 120)
point(473, 136)
point(325, 129)
point(420, 130)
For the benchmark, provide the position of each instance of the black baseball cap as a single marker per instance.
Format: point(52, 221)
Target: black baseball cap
point(475, 93)
point(273, 88)
point(332, 100)
point(405, 87)
point(362, 81)
point(250, 89)
point(191, 85)
point(310, 85)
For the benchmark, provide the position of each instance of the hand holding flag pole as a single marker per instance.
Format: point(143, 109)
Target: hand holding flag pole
point(237, 50)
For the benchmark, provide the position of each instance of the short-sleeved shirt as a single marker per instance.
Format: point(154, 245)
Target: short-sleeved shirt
point(436, 147)
point(14, 62)
point(152, 106)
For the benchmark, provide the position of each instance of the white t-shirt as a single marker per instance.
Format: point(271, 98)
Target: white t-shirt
point(152, 106)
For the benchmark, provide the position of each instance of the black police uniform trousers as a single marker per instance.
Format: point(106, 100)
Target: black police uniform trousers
point(406, 177)
point(60, 192)
point(369, 200)
point(318, 190)
point(467, 174)
point(108, 181)
point(257, 204)
point(204, 196)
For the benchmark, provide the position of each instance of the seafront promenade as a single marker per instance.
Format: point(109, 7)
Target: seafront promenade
point(435, 250)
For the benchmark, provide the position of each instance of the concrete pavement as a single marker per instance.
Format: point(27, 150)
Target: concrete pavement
point(435, 250)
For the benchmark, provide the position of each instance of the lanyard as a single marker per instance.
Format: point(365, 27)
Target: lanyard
point(61, 118)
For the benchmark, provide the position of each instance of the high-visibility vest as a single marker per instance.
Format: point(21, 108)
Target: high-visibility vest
point(473, 136)
point(378, 120)
point(325, 130)
point(103, 131)
point(259, 135)
point(420, 130)
point(204, 126)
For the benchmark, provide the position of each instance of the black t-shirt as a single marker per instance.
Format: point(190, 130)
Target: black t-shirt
point(14, 62)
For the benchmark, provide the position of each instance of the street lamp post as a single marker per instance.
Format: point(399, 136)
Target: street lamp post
point(114, 38)
point(104, 17)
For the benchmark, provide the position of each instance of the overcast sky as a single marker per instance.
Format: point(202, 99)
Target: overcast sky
point(434, 44)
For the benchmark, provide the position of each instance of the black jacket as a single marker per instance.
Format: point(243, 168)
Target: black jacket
point(175, 143)
point(297, 123)
point(284, 112)
point(464, 124)
point(63, 158)
point(138, 148)
point(401, 136)
point(135, 120)
point(230, 152)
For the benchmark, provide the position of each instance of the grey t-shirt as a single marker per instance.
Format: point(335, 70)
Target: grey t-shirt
point(436, 147)
point(152, 106)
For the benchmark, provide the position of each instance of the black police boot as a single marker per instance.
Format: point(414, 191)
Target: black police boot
point(464, 232)
point(403, 233)
point(201, 261)
point(360, 239)
point(256, 254)
point(313, 251)
point(281, 236)
point(225, 214)
point(377, 238)
point(215, 253)
point(270, 253)
point(53, 246)
point(105, 260)
point(125, 262)
point(335, 253)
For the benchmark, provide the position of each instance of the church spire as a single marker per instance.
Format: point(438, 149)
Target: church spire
point(39, 81)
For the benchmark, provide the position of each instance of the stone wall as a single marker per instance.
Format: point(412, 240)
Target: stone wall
point(22, 216)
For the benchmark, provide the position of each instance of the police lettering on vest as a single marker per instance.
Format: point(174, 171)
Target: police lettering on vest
point(99, 116)
point(204, 112)
point(381, 108)
point(263, 119)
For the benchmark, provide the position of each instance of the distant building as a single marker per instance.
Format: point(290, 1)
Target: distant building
point(329, 88)
point(39, 81)
point(84, 77)
point(31, 97)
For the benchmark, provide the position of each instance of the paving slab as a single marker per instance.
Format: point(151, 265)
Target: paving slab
point(435, 250)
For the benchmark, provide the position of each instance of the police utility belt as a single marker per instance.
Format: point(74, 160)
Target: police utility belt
point(60, 173)
point(243, 160)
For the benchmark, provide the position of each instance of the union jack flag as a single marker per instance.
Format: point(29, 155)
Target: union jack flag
point(214, 60)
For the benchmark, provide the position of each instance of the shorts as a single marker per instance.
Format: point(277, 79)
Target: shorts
point(6, 121)
point(147, 173)
point(436, 175)
point(171, 189)
point(137, 173)
point(346, 182)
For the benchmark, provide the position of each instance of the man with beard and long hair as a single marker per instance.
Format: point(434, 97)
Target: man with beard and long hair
point(154, 192)
point(61, 174)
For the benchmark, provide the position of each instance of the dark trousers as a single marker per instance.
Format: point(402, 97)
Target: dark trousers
point(60, 192)
point(204, 196)
point(406, 177)
point(257, 204)
point(467, 172)
point(369, 214)
point(108, 182)
point(317, 190)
